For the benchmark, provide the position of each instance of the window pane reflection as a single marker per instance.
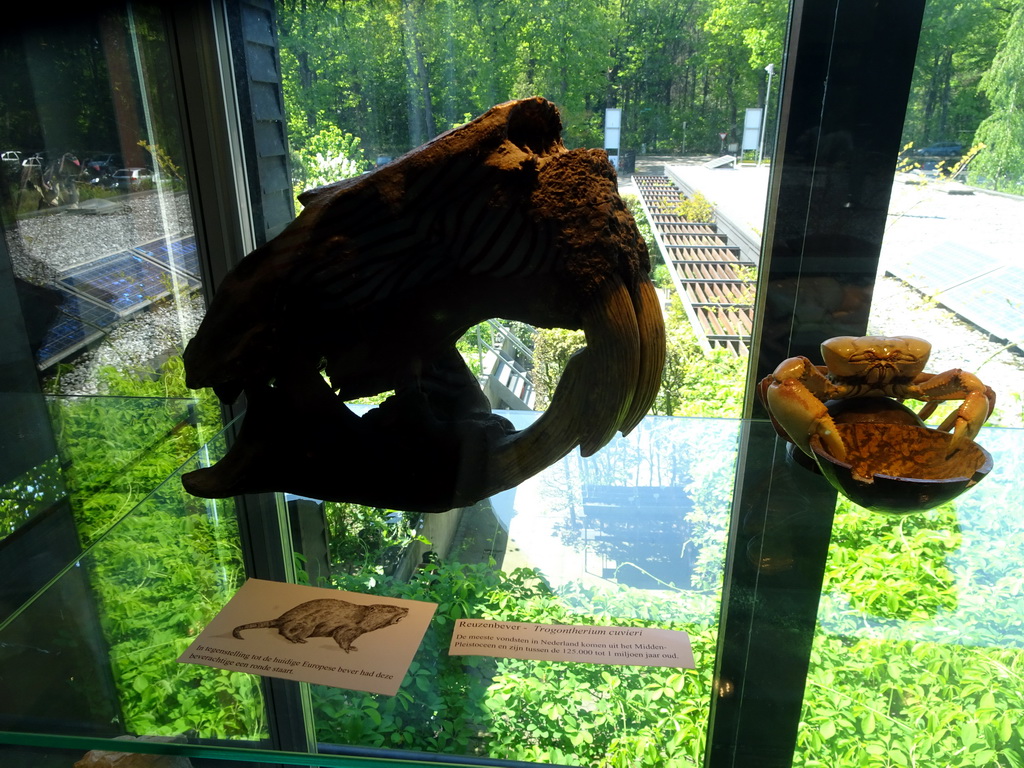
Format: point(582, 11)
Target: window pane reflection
point(97, 221)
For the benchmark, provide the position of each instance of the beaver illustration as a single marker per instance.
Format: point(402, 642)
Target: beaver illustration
point(343, 621)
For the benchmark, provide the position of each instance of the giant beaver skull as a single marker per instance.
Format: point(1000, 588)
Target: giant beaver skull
point(368, 290)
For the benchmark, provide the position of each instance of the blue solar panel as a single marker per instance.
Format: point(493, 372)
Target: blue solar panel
point(944, 266)
point(79, 322)
point(994, 302)
point(125, 281)
point(181, 255)
point(974, 285)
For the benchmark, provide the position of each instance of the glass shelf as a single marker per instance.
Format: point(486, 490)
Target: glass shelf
point(691, 524)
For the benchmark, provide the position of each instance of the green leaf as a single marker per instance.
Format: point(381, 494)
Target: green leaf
point(968, 733)
point(867, 723)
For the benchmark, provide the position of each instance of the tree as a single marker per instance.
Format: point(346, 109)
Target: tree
point(1001, 164)
point(330, 155)
point(957, 43)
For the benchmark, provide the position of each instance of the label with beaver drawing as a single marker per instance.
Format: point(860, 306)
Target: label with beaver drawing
point(323, 636)
point(631, 646)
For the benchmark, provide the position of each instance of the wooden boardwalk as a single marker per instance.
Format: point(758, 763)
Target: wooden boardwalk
point(716, 288)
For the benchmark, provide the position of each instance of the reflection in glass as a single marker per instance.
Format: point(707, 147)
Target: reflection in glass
point(634, 536)
point(101, 286)
point(94, 653)
point(98, 225)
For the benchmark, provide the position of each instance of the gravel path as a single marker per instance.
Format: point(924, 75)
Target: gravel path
point(42, 246)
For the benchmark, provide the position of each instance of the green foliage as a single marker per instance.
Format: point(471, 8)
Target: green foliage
point(604, 715)
point(642, 224)
point(577, 714)
point(329, 155)
point(397, 74)
point(880, 703)
point(552, 349)
point(1001, 164)
point(365, 541)
point(162, 563)
point(163, 163)
point(757, 29)
point(161, 575)
point(695, 382)
point(957, 43)
point(116, 449)
point(696, 208)
point(918, 657)
point(894, 569)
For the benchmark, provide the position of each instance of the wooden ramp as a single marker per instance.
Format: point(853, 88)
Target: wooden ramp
point(716, 288)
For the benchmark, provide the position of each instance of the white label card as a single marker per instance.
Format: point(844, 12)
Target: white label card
point(323, 636)
point(632, 646)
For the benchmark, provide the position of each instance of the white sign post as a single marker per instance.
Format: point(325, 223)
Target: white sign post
point(752, 129)
point(613, 134)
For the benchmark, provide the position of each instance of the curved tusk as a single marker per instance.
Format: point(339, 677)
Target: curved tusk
point(523, 454)
point(651, 324)
point(591, 400)
point(613, 362)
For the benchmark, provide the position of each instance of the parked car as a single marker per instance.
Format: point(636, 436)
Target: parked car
point(129, 178)
point(941, 149)
point(100, 164)
point(11, 156)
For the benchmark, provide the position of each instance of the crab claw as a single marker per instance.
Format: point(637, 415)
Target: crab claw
point(802, 415)
point(967, 420)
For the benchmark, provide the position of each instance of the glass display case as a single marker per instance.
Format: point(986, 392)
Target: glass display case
point(822, 634)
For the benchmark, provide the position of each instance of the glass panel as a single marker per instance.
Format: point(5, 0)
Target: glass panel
point(685, 83)
point(94, 653)
point(366, 83)
point(918, 653)
point(634, 536)
point(99, 271)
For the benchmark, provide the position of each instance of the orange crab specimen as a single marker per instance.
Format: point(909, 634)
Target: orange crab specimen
point(870, 366)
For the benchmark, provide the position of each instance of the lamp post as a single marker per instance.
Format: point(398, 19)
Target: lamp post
point(770, 69)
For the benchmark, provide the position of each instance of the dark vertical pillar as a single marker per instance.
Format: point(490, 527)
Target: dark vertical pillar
point(845, 88)
point(255, 51)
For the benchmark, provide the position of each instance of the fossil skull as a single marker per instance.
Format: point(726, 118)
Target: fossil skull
point(369, 289)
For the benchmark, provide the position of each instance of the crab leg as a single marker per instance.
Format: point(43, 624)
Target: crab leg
point(967, 420)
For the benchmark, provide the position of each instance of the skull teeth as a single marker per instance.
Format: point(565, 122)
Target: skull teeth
point(606, 387)
point(651, 326)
